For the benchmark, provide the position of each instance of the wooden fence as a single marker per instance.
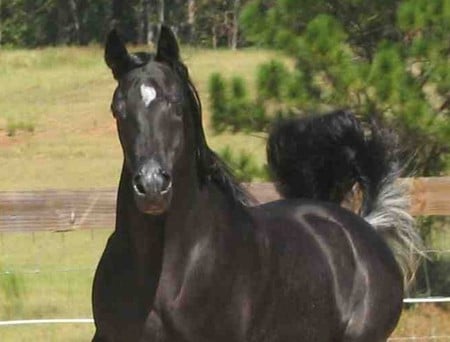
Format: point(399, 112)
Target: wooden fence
point(63, 210)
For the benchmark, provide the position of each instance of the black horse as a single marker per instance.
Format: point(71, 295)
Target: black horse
point(127, 275)
point(191, 261)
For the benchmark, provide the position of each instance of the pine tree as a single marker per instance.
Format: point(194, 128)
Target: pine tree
point(385, 58)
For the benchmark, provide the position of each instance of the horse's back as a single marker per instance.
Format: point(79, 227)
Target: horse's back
point(343, 281)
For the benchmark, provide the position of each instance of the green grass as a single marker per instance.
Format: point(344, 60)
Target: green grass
point(47, 333)
point(48, 275)
point(54, 272)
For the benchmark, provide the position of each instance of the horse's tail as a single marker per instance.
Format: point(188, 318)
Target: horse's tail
point(325, 157)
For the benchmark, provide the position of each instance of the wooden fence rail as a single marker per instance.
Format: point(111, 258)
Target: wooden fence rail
point(63, 210)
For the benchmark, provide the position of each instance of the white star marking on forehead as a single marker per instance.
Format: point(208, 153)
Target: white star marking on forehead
point(148, 94)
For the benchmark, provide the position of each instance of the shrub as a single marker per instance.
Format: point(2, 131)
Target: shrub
point(243, 165)
point(218, 98)
point(238, 88)
point(270, 79)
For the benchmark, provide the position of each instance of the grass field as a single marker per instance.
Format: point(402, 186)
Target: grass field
point(46, 275)
point(56, 132)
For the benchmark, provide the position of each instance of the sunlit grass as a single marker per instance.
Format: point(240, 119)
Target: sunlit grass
point(52, 272)
point(47, 333)
point(48, 275)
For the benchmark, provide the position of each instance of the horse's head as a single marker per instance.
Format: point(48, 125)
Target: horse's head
point(148, 104)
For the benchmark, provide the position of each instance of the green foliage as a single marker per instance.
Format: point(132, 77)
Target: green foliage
point(210, 15)
point(238, 89)
point(32, 23)
point(384, 58)
point(243, 165)
point(47, 22)
point(323, 35)
point(364, 22)
point(218, 100)
point(270, 79)
point(230, 107)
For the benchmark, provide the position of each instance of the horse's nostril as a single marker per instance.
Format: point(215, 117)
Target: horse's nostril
point(139, 187)
point(166, 181)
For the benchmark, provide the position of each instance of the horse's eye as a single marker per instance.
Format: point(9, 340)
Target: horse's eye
point(174, 102)
point(118, 109)
point(118, 105)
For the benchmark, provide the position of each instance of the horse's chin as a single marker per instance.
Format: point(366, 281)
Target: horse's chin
point(153, 206)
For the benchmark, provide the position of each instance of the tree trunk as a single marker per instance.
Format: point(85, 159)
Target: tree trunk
point(191, 20)
point(161, 11)
point(145, 22)
point(235, 36)
point(124, 20)
point(214, 36)
point(62, 22)
point(76, 21)
point(1, 23)
point(117, 10)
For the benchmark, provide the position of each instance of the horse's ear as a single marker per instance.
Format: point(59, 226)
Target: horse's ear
point(167, 48)
point(116, 54)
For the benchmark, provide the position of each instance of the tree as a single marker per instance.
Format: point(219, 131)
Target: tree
point(235, 28)
point(216, 22)
point(380, 58)
point(50, 22)
point(1, 22)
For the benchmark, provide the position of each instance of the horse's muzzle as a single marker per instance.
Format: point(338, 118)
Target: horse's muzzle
point(152, 187)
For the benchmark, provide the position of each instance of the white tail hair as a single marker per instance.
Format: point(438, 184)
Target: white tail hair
point(390, 217)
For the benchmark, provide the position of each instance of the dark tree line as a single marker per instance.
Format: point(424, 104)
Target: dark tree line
point(31, 23)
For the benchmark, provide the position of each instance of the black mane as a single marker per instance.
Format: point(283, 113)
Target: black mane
point(211, 168)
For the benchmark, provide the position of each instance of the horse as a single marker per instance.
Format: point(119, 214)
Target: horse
point(193, 260)
point(127, 275)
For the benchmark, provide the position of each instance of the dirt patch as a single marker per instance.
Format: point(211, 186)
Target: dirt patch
point(7, 141)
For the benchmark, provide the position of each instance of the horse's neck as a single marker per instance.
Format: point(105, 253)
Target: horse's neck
point(203, 230)
point(198, 214)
